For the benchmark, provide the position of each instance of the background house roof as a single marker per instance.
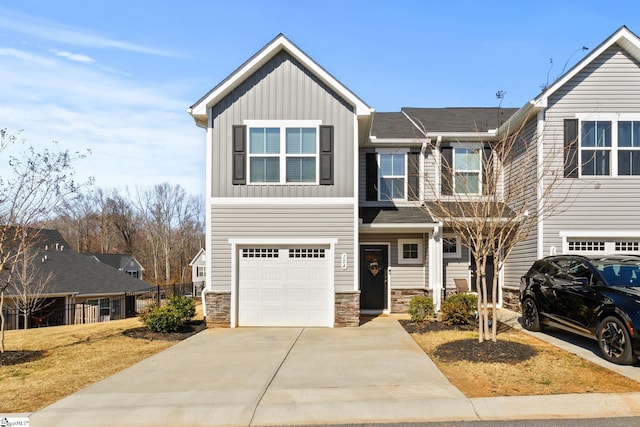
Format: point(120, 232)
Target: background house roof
point(75, 273)
point(118, 261)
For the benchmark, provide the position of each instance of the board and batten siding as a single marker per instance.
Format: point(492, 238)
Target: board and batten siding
point(283, 89)
point(265, 221)
point(403, 276)
point(609, 84)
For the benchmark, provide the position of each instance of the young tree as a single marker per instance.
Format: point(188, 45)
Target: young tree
point(493, 211)
point(32, 186)
point(28, 284)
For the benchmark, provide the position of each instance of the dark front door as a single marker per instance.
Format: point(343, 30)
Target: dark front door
point(373, 277)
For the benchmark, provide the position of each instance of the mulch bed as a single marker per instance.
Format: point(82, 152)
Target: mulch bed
point(10, 358)
point(185, 331)
point(471, 350)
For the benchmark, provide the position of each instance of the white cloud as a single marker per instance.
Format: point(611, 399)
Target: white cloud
point(139, 134)
point(74, 36)
point(73, 56)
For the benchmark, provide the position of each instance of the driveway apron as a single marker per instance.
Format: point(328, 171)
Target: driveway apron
point(271, 376)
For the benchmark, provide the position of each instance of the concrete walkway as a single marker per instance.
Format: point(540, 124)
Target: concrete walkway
point(280, 376)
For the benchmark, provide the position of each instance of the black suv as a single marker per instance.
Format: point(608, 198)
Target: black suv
point(598, 297)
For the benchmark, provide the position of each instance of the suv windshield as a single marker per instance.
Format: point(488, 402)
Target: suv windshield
point(619, 272)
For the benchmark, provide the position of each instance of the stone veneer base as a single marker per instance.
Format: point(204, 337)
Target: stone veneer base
point(218, 306)
point(347, 309)
point(400, 298)
point(511, 299)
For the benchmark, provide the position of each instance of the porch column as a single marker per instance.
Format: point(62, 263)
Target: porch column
point(435, 265)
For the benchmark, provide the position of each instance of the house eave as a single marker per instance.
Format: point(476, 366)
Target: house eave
point(398, 228)
point(199, 110)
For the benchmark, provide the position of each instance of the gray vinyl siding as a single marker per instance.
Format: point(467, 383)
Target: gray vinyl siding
point(524, 170)
point(403, 276)
point(281, 222)
point(283, 89)
point(456, 268)
point(610, 84)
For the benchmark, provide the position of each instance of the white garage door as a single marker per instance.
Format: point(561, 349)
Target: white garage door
point(284, 287)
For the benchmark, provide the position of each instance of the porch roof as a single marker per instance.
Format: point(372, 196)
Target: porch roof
point(395, 218)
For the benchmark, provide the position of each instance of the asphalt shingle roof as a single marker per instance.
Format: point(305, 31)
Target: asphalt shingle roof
point(434, 120)
point(79, 273)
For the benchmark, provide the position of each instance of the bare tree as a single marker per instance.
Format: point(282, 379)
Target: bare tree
point(32, 186)
point(28, 284)
point(491, 195)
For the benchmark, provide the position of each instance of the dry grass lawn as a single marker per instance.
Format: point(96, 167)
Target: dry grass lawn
point(73, 358)
point(549, 371)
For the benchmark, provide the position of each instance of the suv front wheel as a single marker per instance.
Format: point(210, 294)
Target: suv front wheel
point(614, 341)
point(530, 315)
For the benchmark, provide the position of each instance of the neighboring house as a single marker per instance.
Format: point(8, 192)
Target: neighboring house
point(199, 271)
point(123, 262)
point(317, 205)
point(81, 290)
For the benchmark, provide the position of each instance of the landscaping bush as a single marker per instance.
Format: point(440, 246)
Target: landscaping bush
point(185, 306)
point(143, 313)
point(459, 309)
point(421, 307)
point(164, 319)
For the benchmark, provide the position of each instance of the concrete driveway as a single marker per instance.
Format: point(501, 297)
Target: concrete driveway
point(271, 376)
point(294, 376)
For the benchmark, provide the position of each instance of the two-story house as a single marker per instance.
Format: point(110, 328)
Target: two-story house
point(318, 206)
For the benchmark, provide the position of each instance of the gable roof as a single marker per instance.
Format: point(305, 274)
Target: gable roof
point(79, 274)
point(118, 261)
point(623, 37)
point(197, 257)
point(199, 109)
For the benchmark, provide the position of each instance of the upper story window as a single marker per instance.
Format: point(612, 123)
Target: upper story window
point(466, 169)
point(283, 154)
point(133, 273)
point(392, 176)
point(606, 147)
point(461, 168)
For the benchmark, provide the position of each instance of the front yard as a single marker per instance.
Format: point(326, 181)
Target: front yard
point(66, 359)
point(518, 365)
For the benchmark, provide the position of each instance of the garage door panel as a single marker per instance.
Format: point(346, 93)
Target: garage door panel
point(284, 287)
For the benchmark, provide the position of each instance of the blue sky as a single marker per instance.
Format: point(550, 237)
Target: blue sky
point(117, 76)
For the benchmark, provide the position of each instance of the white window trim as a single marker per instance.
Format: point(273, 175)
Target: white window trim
point(416, 261)
point(477, 147)
point(386, 151)
point(201, 268)
point(282, 155)
point(458, 252)
point(614, 118)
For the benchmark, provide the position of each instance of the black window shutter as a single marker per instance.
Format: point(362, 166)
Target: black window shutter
point(239, 162)
point(488, 179)
point(372, 176)
point(446, 171)
point(571, 148)
point(413, 180)
point(326, 155)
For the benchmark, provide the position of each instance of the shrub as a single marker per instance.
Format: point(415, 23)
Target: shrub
point(421, 307)
point(143, 313)
point(164, 319)
point(459, 309)
point(185, 306)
